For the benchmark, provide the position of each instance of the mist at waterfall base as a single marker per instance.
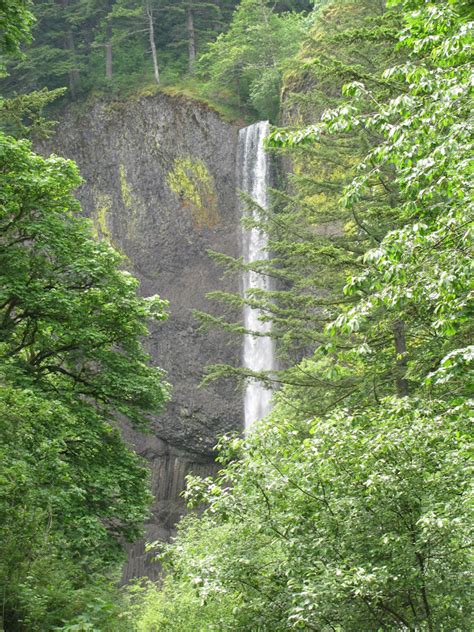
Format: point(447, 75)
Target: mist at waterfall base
point(258, 350)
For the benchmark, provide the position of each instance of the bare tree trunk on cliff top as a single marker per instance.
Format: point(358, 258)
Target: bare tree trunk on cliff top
point(73, 72)
point(151, 33)
point(108, 53)
point(191, 37)
point(108, 60)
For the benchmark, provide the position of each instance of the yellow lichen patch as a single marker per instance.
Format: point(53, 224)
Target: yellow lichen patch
point(191, 181)
point(103, 204)
point(125, 189)
point(350, 228)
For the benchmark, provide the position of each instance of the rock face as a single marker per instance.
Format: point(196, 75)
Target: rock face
point(160, 182)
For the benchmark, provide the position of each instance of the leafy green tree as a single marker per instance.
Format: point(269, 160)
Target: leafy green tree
point(70, 487)
point(193, 23)
point(406, 279)
point(248, 58)
point(16, 20)
point(356, 521)
point(421, 272)
point(71, 319)
point(71, 365)
point(71, 492)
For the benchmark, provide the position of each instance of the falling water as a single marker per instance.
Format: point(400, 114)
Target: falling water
point(258, 352)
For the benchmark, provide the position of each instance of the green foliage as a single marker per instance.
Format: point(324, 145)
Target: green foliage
point(71, 492)
point(349, 508)
point(356, 521)
point(419, 273)
point(314, 243)
point(22, 115)
point(57, 279)
point(358, 515)
point(121, 46)
point(249, 58)
point(167, 609)
point(71, 361)
point(66, 478)
point(16, 20)
point(104, 46)
point(422, 272)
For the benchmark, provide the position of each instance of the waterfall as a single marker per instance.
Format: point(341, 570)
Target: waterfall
point(258, 351)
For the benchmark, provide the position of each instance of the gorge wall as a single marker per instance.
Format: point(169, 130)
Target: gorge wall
point(160, 182)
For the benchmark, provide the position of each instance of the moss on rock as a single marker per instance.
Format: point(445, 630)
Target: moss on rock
point(192, 182)
point(125, 189)
point(103, 205)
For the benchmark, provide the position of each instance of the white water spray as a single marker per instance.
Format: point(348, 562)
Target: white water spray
point(259, 351)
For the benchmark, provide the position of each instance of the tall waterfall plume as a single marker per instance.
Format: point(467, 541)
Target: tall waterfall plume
point(259, 350)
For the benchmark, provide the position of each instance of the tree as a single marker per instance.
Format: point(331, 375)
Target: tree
point(71, 490)
point(126, 19)
point(195, 22)
point(23, 115)
point(55, 51)
point(71, 40)
point(356, 521)
point(314, 242)
point(421, 272)
point(57, 280)
point(248, 58)
point(70, 349)
point(406, 279)
point(71, 365)
point(16, 20)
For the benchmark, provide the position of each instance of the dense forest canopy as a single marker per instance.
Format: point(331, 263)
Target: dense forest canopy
point(349, 507)
point(111, 45)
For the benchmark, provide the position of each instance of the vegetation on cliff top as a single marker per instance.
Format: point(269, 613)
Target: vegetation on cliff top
point(125, 47)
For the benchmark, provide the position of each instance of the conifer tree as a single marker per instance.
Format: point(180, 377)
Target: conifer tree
point(358, 516)
point(314, 242)
point(127, 19)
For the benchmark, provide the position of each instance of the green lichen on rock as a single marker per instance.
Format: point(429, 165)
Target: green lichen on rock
point(125, 188)
point(132, 202)
point(191, 181)
point(103, 205)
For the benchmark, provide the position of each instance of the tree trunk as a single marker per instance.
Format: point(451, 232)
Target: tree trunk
point(401, 358)
point(191, 37)
point(108, 60)
point(151, 33)
point(73, 72)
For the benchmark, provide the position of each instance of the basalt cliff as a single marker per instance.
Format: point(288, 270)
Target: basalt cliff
point(160, 184)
